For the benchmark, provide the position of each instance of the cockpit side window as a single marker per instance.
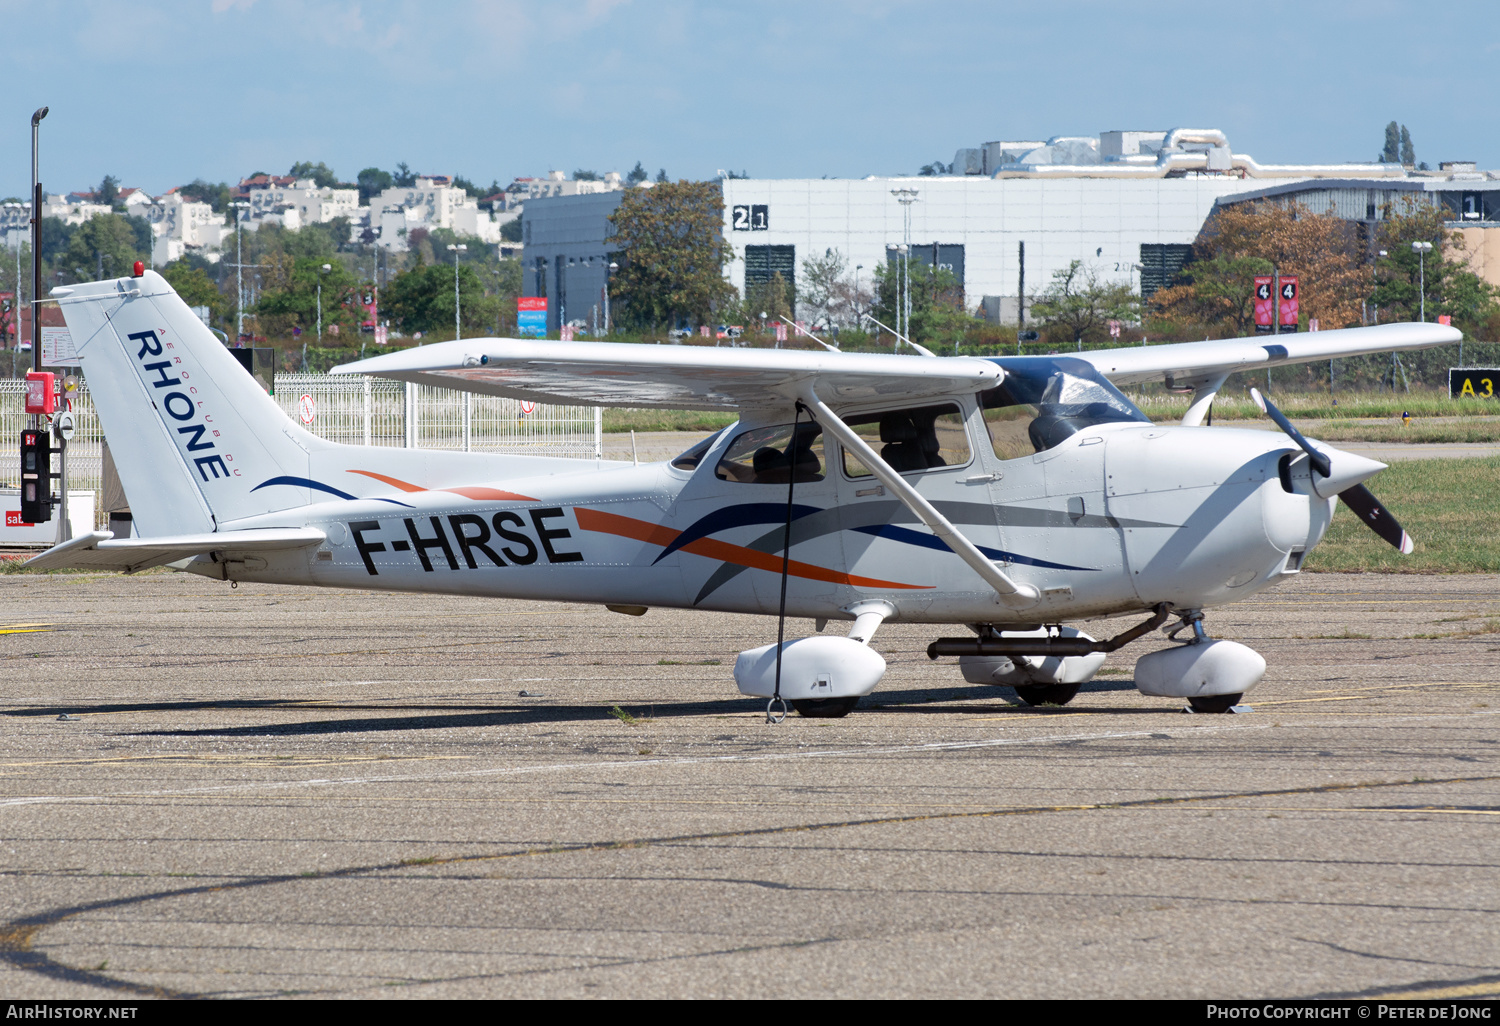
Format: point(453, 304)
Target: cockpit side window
point(690, 459)
point(911, 440)
point(1042, 403)
point(767, 455)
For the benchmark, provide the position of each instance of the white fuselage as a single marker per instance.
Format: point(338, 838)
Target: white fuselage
point(1113, 520)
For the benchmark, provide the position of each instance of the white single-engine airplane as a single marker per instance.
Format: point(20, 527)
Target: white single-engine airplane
point(1008, 495)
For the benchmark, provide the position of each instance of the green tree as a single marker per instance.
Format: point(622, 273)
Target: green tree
point(1452, 288)
point(823, 285)
point(773, 297)
point(1078, 301)
point(672, 253)
point(321, 174)
point(1408, 152)
point(510, 231)
point(1391, 154)
point(937, 301)
point(586, 176)
point(372, 181)
point(195, 286)
point(404, 177)
point(218, 196)
point(105, 247)
point(421, 299)
point(108, 191)
point(289, 296)
point(637, 175)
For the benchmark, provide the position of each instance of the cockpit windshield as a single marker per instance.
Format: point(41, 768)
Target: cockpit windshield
point(1043, 402)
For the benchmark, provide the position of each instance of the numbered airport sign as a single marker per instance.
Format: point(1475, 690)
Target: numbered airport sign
point(1473, 382)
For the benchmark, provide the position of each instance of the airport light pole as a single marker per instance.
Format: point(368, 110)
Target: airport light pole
point(906, 197)
point(608, 273)
point(239, 273)
point(456, 250)
point(321, 271)
point(1421, 249)
point(36, 248)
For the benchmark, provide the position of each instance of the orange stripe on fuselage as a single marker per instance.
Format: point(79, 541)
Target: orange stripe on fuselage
point(467, 491)
point(656, 534)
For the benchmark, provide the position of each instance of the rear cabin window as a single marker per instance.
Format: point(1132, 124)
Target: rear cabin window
point(767, 455)
point(911, 441)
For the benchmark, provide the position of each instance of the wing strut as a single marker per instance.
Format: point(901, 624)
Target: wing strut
point(1012, 594)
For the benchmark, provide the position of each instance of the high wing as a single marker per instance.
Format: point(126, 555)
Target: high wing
point(1194, 362)
point(672, 377)
point(702, 378)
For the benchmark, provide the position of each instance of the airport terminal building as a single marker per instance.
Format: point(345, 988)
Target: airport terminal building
point(1007, 216)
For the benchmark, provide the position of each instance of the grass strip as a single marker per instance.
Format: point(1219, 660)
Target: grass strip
point(1448, 506)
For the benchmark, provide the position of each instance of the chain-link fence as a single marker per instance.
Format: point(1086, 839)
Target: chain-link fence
point(352, 410)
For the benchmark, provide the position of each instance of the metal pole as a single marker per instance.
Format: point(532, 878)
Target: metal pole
point(320, 318)
point(36, 248)
point(1422, 270)
point(458, 334)
point(1275, 313)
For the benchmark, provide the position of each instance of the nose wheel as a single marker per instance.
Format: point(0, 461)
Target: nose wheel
point(1047, 694)
point(1215, 703)
point(824, 708)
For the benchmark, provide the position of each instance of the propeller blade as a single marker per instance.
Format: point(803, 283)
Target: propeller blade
point(1318, 460)
point(1376, 517)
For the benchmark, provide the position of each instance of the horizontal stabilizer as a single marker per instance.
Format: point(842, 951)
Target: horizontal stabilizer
point(100, 550)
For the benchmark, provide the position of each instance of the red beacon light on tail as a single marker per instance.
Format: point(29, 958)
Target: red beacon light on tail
point(139, 269)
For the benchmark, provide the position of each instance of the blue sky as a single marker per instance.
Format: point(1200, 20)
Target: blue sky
point(161, 93)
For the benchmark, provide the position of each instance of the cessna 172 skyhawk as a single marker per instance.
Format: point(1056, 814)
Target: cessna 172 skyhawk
point(1008, 495)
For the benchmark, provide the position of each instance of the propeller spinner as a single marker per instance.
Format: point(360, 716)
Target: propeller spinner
point(1356, 496)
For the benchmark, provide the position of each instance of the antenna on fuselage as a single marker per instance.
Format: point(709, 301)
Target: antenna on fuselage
point(921, 349)
point(799, 329)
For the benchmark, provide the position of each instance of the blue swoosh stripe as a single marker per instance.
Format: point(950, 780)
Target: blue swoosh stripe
point(742, 515)
point(927, 541)
point(304, 482)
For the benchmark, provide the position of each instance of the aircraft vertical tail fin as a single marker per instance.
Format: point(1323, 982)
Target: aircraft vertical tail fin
point(193, 436)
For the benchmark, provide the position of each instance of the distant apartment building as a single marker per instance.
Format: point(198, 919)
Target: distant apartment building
point(181, 226)
point(294, 202)
point(433, 201)
point(74, 208)
point(558, 184)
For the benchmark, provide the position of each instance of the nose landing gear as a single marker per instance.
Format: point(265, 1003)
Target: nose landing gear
point(1212, 674)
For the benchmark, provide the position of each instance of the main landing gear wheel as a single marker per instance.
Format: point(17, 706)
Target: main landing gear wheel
point(1048, 694)
point(1215, 703)
point(824, 708)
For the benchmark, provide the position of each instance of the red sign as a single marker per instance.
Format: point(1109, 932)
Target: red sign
point(781, 332)
point(39, 392)
point(1265, 304)
point(13, 519)
point(1288, 301)
point(1445, 319)
point(531, 303)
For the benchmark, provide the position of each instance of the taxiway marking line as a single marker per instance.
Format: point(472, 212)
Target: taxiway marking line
point(1438, 993)
point(25, 628)
point(933, 746)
